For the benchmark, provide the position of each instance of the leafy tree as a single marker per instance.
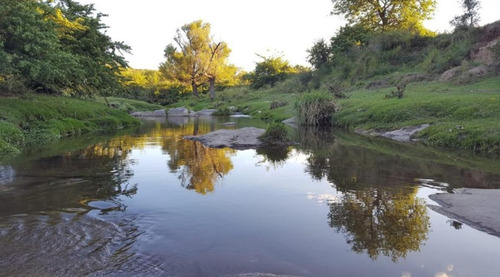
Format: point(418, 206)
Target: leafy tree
point(56, 47)
point(30, 51)
point(269, 71)
point(99, 57)
point(470, 17)
point(347, 37)
point(386, 14)
point(319, 54)
point(185, 62)
point(216, 64)
point(196, 58)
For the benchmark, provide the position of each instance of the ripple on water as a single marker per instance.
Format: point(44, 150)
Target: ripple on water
point(63, 244)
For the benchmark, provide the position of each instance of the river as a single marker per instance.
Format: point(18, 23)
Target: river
point(145, 202)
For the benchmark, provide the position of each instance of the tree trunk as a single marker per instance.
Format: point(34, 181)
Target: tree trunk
point(195, 88)
point(212, 88)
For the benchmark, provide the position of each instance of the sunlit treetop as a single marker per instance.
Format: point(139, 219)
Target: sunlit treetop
point(386, 14)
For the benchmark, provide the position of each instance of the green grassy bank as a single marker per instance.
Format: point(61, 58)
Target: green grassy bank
point(461, 116)
point(35, 118)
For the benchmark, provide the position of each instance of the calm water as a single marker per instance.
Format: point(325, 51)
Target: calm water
point(148, 203)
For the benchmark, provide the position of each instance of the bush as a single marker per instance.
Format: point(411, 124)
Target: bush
point(11, 134)
point(6, 149)
point(275, 132)
point(316, 108)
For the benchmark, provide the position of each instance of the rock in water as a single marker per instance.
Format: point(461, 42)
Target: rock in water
point(178, 112)
point(244, 138)
point(157, 113)
point(207, 112)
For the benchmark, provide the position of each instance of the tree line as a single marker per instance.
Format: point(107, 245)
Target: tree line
point(57, 46)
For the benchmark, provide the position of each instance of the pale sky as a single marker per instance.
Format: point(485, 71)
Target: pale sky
point(287, 27)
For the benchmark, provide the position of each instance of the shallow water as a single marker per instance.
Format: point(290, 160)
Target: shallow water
point(145, 202)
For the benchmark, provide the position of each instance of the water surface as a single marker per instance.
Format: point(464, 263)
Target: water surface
point(145, 202)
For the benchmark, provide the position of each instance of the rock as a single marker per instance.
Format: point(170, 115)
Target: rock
point(291, 122)
point(450, 74)
point(178, 120)
point(229, 124)
point(178, 112)
point(478, 71)
point(244, 138)
point(206, 112)
point(414, 77)
point(239, 115)
point(157, 113)
point(404, 134)
point(478, 208)
point(485, 54)
point(192, 113)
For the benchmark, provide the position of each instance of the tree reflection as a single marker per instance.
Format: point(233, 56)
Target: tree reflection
point(275, 155)
point(376, 213)
point(199, 167)
point(379, 221)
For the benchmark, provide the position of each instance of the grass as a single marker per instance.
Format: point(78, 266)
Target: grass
point(462, 116)
point(129, 105)
point(256, 103)
point(35, 118)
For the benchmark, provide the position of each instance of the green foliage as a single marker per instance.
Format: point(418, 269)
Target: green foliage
point(196, 59)
point(11, 134)
point(7, 149)
point(470, 17)
point(319, 54)
point(316, 108)
point(399, 92)
point(57, 47)
point(35, 118)
point(386, 15)
point(275, 132)
point(470, 112)
point(270, 71)
point(348, 37)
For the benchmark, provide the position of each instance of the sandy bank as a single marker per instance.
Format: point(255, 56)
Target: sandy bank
point(478, 208)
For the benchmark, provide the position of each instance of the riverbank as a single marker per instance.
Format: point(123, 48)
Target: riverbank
point(478, 208)
point(460, 116)
point(35, 118)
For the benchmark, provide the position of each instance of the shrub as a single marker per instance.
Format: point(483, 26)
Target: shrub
point(316, 108)
point(11, 134)
point(223, 111)
point(276, 104)
point(399, 92)
point(275, 132)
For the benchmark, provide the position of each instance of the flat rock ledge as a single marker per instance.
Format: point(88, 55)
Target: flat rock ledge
point(244, 138)
point(478, 208)
point(402, 135)
point(157, 113)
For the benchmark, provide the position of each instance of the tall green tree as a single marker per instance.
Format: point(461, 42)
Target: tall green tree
point(99, 57)
point(196, 58)
point(57, 46)
point(319, 54)
point(216, 64)
point(386, 14)
point(470, 17)
point(270, 71)
point(185, 62)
